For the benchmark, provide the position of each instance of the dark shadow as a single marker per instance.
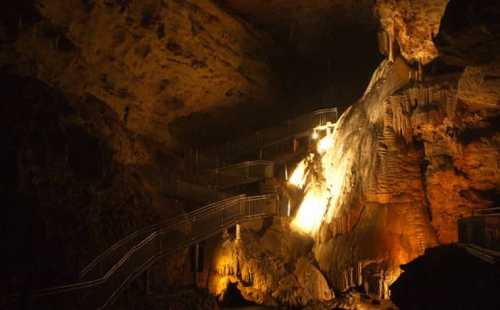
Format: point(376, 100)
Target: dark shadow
point(447, 277)
point(232, 297)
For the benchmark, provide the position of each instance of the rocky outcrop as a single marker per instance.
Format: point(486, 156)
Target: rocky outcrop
point(435, 161)
point(438, 280)
point(469, 32)
point(412, 24)
point(406, 165)
point(271, 269)
point(72, 185)
point(151, 61)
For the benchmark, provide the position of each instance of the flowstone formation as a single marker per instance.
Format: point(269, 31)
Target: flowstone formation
point(404, 164)
point(274, 268)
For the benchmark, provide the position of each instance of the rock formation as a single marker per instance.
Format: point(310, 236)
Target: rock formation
point(405, 166)
point(151, 61)
point(413, 25)
point(272, 269)
point(102, 99)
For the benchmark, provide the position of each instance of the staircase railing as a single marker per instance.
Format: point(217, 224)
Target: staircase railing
point(210, 185)
point(238, 174)
point(481, 229)
point(128, 258)
point(301, 125)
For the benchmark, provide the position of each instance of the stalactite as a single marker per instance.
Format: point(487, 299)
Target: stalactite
point(401, 122)
point(346, 281)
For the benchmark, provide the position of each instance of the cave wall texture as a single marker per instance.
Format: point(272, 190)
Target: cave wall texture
point(72, 183)
point(93, 90)
point(425, 156)
point(331, 47)
point(414, 156)
point(151, 61)
point(98, 94)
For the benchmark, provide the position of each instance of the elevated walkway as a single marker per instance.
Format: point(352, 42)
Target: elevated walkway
point(269, 143)
point(480, 234)
point(107, 275)
point(216, 184)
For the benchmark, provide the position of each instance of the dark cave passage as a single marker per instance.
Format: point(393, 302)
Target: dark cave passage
point(233, 299)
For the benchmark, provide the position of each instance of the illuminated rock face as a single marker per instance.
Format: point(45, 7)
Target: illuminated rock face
point(405, 166)
point(272, 269)
point(420, 159)
point(150, 61)
point(413, 24)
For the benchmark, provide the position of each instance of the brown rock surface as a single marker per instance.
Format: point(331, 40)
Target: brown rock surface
point(413, 24)
point(435, 161)
point(330, 46)
point(73, 183)
point(270, 269)
point(151, 61)
point(470, 32)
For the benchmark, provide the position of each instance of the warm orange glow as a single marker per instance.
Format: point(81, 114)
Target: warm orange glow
point(324, 187)
point(298, 177)
point(325, 144)
point(311, 211)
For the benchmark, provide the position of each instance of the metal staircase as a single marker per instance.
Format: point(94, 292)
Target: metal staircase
point(102, 280)
point(107, 275)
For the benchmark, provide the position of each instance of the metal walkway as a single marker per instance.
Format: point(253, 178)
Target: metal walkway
point(267, 140)
point(107, 275)
point(213, 185)
point(480, 234)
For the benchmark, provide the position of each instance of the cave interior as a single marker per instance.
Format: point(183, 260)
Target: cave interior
point(237, 154)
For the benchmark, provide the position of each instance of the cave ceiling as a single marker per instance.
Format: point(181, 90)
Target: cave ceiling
point(184, 71)
point(330, 47)
point(325, 52)
point(308, 20)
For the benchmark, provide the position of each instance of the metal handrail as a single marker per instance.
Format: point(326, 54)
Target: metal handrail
point(124, 241)
point(150, 229)
point(156, 231)
point(235, 174)
point(285, 131)
point(156, 257)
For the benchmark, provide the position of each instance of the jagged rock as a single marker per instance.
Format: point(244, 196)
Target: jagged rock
point(470, 32)
point(412, 24)
point(70, 181)
point(439, 280)
point(269, 270)
point(429, 156)
point(151, 61)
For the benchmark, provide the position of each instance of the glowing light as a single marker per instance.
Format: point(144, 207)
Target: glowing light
point(315, 135)
point(298, 177)
point(323, 183)
point(325, 144)
point(311, 211)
